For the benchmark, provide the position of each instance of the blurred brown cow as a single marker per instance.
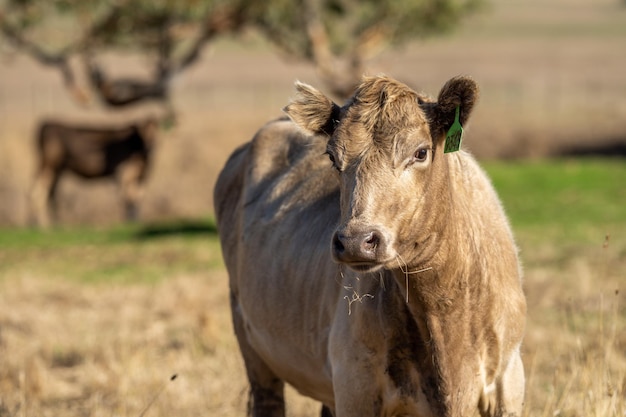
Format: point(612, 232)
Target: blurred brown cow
point(122, 153)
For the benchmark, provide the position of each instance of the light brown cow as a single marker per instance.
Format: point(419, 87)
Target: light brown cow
point(383, 283)
point(92, 152)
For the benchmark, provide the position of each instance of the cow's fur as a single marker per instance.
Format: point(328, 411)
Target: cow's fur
point(386, 286)
point(92, 152)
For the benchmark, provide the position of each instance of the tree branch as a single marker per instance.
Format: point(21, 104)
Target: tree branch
point(226, 19)
point(59, 60)
point(126, 91)
point(342, 79)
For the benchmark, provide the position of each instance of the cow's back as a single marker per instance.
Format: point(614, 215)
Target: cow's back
point(90, 152)
point(276, 203)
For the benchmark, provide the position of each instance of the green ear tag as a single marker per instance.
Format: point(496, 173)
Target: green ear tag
point(454, 135)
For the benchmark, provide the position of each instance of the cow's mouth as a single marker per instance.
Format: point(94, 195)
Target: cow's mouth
point(364, 267)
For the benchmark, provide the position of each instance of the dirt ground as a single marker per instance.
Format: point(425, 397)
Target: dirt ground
point(551, 74)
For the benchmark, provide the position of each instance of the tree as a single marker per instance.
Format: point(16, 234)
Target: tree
point(170, 33)
point(337, 36)
point(340, 36)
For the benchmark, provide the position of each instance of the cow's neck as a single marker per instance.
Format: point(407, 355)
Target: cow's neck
point(446, 267)
point(445, 299)
point(448, 329)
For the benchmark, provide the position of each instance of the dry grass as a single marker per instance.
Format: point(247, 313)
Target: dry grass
point(101, 349)
point(75, 350)
point(575, 344)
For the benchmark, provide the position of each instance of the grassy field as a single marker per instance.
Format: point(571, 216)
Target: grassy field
point(570, 223)
point(96, 321)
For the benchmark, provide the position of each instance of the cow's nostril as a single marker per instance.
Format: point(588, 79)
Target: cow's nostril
point(338, 245)
point(371, 242)
point(357, 247)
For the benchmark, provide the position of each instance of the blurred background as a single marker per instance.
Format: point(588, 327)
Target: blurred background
point(97, 315)
point(552, 75)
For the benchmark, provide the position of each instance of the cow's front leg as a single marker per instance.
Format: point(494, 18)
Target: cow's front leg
point(357, 394)
point(326, 412)
point(266, 398)
point(42, 196)
point(358, 406)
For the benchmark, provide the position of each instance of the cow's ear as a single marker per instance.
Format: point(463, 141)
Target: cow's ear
point(462, 92)
point(312, 111)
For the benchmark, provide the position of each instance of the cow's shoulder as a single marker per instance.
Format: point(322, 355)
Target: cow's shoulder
point(281, 146)
point(284, 162)
point(280, 170)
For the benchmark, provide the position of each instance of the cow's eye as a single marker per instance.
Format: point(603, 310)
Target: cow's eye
point(421, 155)
point(332, 160)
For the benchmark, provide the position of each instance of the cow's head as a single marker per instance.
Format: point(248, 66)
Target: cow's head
point(386, 145)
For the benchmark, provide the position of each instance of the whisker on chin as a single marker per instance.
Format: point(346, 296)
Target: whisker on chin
point(406, 272)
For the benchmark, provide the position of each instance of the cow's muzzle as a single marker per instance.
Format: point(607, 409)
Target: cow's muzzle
point(360, 250)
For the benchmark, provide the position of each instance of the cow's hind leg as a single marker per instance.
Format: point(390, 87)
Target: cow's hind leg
point(130, 176)
point(506, 398)
point(511, 388)
point(266, 389)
